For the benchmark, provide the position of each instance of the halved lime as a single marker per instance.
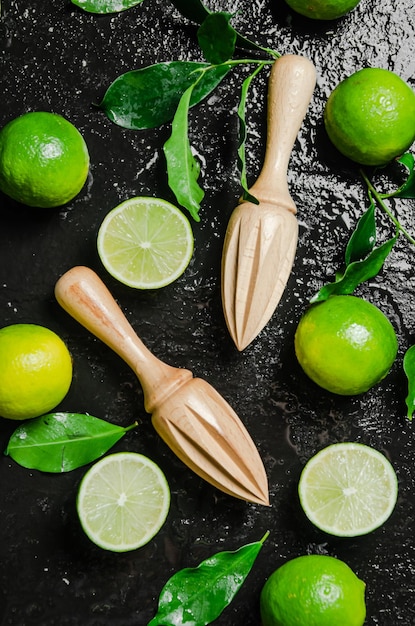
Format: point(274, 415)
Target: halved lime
point(348, 489)
point(123, 501)
point(145, 242)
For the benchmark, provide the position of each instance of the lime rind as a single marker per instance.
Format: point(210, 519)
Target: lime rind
point(369, 116)
point(313, 590)
point(44, 160)
point(345, 344)
point(145, 243)
point(323, 9)
point(35, 371)
point(348, 489)
point(123, 501)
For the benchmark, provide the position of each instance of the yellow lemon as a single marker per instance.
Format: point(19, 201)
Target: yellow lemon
point(35, 371)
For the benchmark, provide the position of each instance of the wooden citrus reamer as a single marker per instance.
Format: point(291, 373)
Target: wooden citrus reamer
point(188, 413)
point(261, 239)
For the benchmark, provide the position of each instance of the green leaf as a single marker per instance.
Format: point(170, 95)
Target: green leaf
point(148, 97)
point(217, 38)
point(363, 239)
point(243, 134)
point(196, 11)
point(356, 273)
point(182, 168)
point(409, 369)
point(197, 596)
point(362, 260)
point(408, 160)
point(407, 190)
point(61, 442)
point(105, 6)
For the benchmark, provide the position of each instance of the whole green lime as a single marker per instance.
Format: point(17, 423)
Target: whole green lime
point(44, 160)
point(35, 371)
point(370, 116)
point(313, 590)
point(322, 9)
point(345, 344)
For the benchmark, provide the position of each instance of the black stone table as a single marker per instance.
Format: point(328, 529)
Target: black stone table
point(55, 57)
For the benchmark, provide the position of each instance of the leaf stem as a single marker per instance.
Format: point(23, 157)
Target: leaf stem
point(265, 537)
point(131, 426)
point(379, 199)
point(234, 63)
point(249, 61)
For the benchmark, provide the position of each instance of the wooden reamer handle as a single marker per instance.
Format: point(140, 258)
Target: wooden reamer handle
point(290, 88)
point(85, 297)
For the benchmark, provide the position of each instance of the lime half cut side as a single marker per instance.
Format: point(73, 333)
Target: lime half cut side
point(145, 243)
point(348, 489)
point(123, 501)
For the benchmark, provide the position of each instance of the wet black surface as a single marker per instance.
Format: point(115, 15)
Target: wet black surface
point(58, 58)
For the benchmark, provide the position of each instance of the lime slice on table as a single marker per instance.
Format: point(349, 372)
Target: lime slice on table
point(123, 501)
point(348, 489)
point(145, 243)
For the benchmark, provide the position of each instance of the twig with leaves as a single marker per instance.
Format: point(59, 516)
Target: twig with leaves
point(364, 260)
point(164, 92)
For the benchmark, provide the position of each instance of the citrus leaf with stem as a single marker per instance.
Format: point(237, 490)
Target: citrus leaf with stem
point(356, 273)
point(61, 442)
point(182, 168)
point(362, 260)
point(243, 134)
point(406, 190)
point(198, 595)
point(217, 38)
point(196, 11)
point(105, 6)
point(376, 196)
point(148, 97)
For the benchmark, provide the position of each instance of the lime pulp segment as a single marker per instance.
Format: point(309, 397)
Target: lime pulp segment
point(348, 489)
point(123, 501)
point(145, 243)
